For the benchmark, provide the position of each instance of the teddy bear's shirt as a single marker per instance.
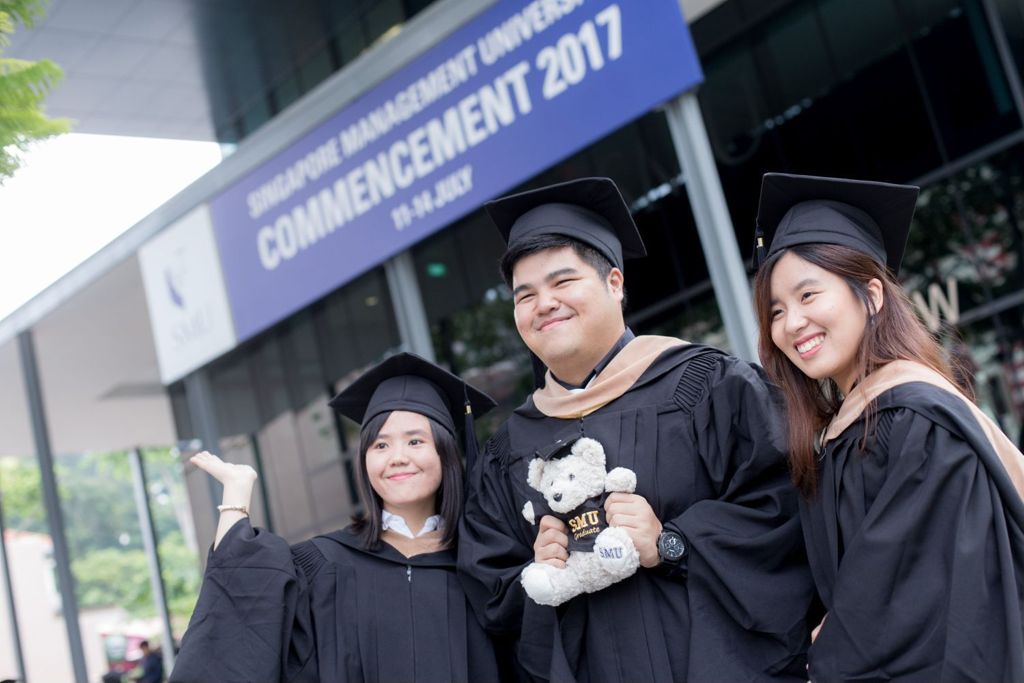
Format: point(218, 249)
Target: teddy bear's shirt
point(584, 522)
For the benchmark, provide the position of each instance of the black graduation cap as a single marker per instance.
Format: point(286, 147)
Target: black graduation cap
point(871, 217)
point(590, 210)
point(407, 382)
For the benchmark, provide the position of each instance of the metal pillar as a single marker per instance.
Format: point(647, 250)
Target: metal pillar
point(19, 658)
point(728, 276)
point(408, 303)
point(261, 482)
point(199, 397)
point(204, 491)
point(65, 581)
point(151, 545)
point(1002, 46)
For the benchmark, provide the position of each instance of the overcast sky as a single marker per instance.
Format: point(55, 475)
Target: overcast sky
point(76, 193)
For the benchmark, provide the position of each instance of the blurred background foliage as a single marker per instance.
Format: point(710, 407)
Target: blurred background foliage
point(102, 525)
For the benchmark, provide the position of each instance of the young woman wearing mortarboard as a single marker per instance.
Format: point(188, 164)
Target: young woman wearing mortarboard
point(911, 507)
point(376, 601)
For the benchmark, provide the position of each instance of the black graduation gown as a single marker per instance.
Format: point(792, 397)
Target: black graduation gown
point(916, 547)
point(703, 432)
point(328, 610)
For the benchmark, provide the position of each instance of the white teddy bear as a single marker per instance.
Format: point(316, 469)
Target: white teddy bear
point(599, 555)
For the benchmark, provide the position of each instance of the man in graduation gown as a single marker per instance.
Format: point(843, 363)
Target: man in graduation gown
point(723, 589)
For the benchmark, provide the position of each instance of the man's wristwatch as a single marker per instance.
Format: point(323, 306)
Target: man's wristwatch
point(671, 547)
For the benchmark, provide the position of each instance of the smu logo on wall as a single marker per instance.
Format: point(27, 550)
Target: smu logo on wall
point(188, 307)
point(517, 89)
point(173, 290)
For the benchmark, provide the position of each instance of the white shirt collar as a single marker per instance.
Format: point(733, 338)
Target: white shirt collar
point(396, 523)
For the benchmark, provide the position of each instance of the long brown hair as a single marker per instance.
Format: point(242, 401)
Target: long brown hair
point(892, 333)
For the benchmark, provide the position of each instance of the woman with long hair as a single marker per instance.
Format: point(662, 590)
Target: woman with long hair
point(376, 601)
point(911, 497)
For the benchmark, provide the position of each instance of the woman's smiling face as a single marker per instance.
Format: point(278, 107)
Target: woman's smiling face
point(403, 465)
point(817, 320)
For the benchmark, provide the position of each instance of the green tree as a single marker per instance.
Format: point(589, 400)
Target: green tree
point(22, 496)
point(23, 87)
point(120, 576)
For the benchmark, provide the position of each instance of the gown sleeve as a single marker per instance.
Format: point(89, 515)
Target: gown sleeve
point(252, 621)
point(928, 587)
point(492, 549)
point(746, 567)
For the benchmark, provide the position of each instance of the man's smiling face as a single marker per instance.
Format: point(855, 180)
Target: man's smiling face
point(565, 312)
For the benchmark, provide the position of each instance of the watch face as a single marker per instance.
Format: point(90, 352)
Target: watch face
point(670, 546)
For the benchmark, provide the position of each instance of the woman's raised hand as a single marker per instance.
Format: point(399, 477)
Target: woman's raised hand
point(238, 481)
point(229, 474)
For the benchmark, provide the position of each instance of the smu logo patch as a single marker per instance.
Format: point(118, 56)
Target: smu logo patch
point(585, 524)
point(611, 553)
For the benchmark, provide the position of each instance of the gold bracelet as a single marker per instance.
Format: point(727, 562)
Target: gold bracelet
point(234, 508)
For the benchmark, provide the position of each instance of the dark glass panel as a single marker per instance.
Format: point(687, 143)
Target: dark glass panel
point(966, 87)
point(1011, 17)
point(251, 47)
point(859, 33)
point(874, 125)
point(793, 55)
point(179, 409)
point(315, 70)
point(285, 92)
point(383, 15)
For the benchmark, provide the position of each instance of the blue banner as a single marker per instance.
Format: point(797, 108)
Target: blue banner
point(517, 89)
